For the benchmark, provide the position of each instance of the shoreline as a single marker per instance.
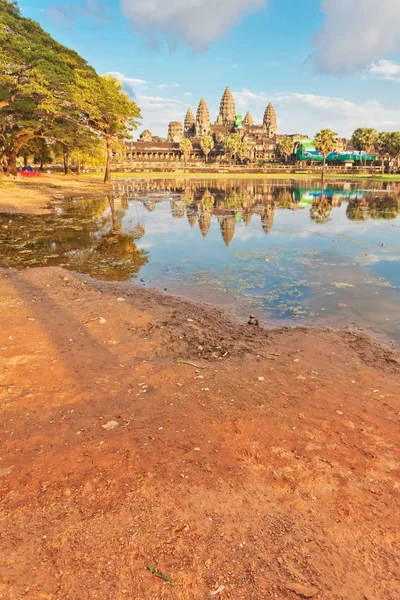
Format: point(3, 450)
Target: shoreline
point(33, 196)
point(140, 428)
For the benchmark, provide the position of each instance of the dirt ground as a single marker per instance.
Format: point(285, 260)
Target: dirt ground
point(266, 466)
point(32, 196)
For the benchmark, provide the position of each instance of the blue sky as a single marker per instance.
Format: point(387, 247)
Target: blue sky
point(323, 63)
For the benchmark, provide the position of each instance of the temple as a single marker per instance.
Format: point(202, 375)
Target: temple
point(261, 139)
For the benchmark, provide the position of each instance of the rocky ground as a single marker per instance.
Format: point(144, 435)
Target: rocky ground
point(152, 448)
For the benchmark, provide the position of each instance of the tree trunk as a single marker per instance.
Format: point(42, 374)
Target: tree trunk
point(78, 166)
point(323, 169)
point(66, 162)
point(12, 163)
point(107, 174)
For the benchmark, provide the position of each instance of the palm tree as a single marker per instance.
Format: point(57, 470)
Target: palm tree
point(185, 147)
point(286, 147)
point(382, 146)
point(206, 144)
point(364, 139)
point(325, 143)
point(394, 146)
point(243, 151)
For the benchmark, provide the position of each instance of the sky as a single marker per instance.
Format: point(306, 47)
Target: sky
point(322, 63)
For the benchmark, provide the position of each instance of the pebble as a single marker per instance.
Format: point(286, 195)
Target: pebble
point(261, 379)
point(339, 412)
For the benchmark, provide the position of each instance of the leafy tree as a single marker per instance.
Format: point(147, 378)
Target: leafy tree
point(243, 151)
point(206, 144)
point(382, 146)
point(185, 147)
point(45, 86)
point(232, 144)
point(364, 139)
point(325, 143)
point(394, 147)
point(286, 147)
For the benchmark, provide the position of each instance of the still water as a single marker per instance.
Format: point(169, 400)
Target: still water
point(286, 252)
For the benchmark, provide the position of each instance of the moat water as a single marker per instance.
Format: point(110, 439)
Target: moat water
point(286, 252)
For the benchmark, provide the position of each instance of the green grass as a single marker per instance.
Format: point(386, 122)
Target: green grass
point(307, 176)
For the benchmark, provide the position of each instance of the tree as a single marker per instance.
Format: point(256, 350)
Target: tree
point(206, 144)
point(185, 147)
point(382, 146)
point(364, 139)
point(243, 151)
point(286, 147)
point(232, 144)
point(394, 147)
point(325, 143)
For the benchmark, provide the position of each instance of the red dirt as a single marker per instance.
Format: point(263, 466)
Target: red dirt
point(286, 487)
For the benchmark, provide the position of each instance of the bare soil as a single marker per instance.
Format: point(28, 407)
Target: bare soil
point(33, 196)
point(265, 466)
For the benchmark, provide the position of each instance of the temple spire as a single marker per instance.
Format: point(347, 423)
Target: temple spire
point(227, 109)
point(202, 119)
point(248, 120)
point(190, 123)
point(270, 122)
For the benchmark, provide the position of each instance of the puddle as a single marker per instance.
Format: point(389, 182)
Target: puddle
point(285, 251)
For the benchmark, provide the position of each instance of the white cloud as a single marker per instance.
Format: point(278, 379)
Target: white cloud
point(245, 97)
point(337, 113)
point(385, 69)
point(158, 111)
point(355, 34)
point(130, 83)
point(164, 86)
point(188, 93)
point(308, 113)
point(193, 22)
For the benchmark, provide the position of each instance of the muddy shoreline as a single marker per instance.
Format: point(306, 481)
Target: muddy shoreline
point(141, 429)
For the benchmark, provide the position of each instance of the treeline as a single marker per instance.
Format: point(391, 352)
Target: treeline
point(52, 102)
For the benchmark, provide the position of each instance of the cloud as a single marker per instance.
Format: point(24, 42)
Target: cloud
point(355, 34)
point(130, 84)
point(385, 69)
point(188, 93)
point(65, 14)
point(308, 113)
point(158, 111)
point(337, 113)
point(165, 86)
point(245, 97)
point(196, 23)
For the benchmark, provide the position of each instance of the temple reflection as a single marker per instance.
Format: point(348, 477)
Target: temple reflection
point(231, 202)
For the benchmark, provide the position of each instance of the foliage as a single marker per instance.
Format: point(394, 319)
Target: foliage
point(186, 148)
point(325, 143)
point(49, 92)
point(364, 139)
point(232, 144)
point(243, 151)
point(206, 144)
point(286, 147)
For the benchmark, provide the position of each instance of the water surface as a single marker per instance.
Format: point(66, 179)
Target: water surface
point(287, 252)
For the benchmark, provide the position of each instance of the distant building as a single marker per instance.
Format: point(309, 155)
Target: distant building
point(262, 139)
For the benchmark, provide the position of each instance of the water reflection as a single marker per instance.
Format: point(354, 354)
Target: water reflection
point(84, 235)
point(291, 252)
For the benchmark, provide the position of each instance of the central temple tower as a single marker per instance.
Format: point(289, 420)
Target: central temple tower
point(227, 109)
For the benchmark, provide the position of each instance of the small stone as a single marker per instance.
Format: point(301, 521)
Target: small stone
point(261, 379)
point(302, 590)
point(120, 299)
point(339, 412)
point(110, 425)
point(102, 320)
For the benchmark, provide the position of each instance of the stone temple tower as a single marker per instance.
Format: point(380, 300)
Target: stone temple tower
point(248, 120)
point(203, 123)
point(175, 133)
point(227, 109)
point(270, 122)
point(190, 124)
